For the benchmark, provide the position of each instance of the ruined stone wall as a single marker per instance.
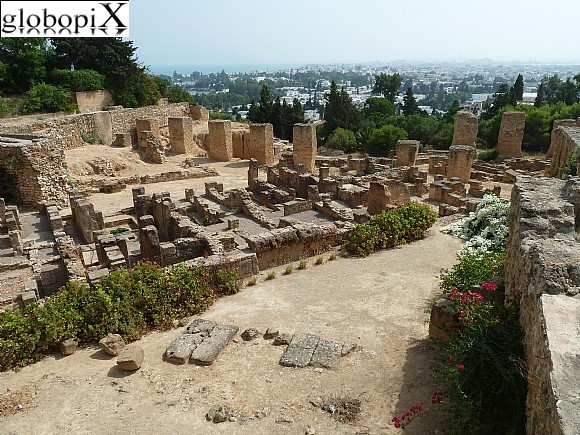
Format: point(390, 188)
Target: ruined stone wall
point(37, 168)
point(123, 120)
point(284, 245)
point(542, 273)
point(181, 136)
point(305, 146)
point(564, 142)
point(465, 129)
point(240, 144)
point(93, 101)
point(198, 113)
point(511, 134)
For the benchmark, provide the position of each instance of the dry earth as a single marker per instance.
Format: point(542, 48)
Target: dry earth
point(376, 302)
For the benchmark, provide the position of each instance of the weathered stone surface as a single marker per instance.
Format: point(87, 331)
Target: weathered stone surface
point(461, 158)
point(113, 344)
point(511, 134)
point(250, 334)
point(542, 274)
point(326, 354)
point(300, 350)
point(68, 346)
point(465, 129)
point(305, 146)
point(442, 319)
point(181, 348)
point(407, 151)
point(208, 350)
point(131, 358)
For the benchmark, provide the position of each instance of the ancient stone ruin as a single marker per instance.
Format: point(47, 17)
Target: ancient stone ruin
point(465, 129)
point(511, 134)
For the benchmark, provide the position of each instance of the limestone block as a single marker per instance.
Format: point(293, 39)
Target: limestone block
point(113, 344)
point(511, 134)
point(465, 129)
point(407, 151)
point(131, 358)
point(305, 146)
point(460, 160)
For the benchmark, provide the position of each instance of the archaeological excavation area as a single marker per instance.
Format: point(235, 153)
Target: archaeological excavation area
point(85, 195)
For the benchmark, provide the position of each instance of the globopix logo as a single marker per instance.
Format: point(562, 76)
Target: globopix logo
point(91, 19)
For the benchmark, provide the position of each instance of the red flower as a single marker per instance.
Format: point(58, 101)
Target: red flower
point(396, 422)
point(460, 367)
point(450, 359)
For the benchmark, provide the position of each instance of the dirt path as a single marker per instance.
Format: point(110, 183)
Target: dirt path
point(375, 302)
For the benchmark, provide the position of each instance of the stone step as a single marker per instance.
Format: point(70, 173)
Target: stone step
point(326, 354)
point(208, 350)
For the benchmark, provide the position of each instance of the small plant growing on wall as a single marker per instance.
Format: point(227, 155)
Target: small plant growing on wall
point(90, 138)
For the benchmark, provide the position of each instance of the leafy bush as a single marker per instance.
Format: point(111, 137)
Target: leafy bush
point(47, 98)
point(220, 115)
point(90, 138)
point(390, 228)
point(382, 140)
point(119, 230)
point(78, 80)
point(488, 155)
point(342, 139)
point(127, 302)
point(475, 266)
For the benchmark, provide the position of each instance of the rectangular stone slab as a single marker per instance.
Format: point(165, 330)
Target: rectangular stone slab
point(326, 354)
point(200, 326)
point(180, 349)
point(300, 350)
point(207, 351)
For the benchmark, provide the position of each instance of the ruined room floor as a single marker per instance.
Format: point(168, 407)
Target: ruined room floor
point(376, 302)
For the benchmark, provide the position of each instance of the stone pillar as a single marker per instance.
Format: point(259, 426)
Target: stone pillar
point(323, 172)
point(3, 210)
point(407, 151)
point(387, 194)
point(461, 158)
point(104, 127)
point(122, 140)
point(252, 174)
point(151, 125)
point(511, 134)
point(465, 130)
point(220, 140)
point(262, 143)
point(181, 135)
point(305, 146)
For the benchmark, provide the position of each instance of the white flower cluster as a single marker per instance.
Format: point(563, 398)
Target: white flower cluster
point(486, 228)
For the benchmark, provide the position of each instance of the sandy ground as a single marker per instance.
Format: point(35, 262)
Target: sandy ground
point(376, 302)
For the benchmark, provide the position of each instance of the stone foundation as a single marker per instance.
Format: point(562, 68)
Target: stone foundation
point(461, 158)
point(407, 151)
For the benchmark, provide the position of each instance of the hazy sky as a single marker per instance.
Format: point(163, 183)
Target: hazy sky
point(237, 32)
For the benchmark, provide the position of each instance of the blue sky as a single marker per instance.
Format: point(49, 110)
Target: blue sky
point(237, 32)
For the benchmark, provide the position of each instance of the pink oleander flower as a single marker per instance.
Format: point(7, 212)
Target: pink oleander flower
point(460, 367)
point(450, 359)
point(489, 286)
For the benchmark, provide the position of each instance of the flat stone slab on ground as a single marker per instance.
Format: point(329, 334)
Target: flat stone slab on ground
point(326, 354)
point(207, 351)
point(300, 350)
point(200, 326)
point(181, 348)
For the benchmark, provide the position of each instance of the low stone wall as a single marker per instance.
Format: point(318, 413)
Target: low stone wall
point(542, 274)
point(284, 245)
point(123, 120)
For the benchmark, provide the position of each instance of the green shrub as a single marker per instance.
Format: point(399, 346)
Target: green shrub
point(128, 302)
point(391, 228)
point(78, 80)
point(221, 115)
point(47, 98)
point(91, 138)
point(119, 230)
point(382, 140)
point(342, 139)
point(488, 155)
point(475, 266)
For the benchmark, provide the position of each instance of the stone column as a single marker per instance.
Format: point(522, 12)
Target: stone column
point(147, 125)
point(461, 158)
point(511, 134)
point(407, 151)
point(181, 134)
point(220, 140)
point(387, 194)
point(305, 146)
point(104, 127)
point(252, 174)
point(465, 129)
point(262, 143)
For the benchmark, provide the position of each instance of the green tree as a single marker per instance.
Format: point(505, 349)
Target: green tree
point(342, 139)
point(47, 98)
point(541, 95)
point(388, 85)
point(503, 96)
point(378, 105)
point(384, 139)
point(567, 92)
point(23, 63)
point(78, 80)
point(115, 59)
point(410, 106)
point(519, 88)
point(340, 111)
